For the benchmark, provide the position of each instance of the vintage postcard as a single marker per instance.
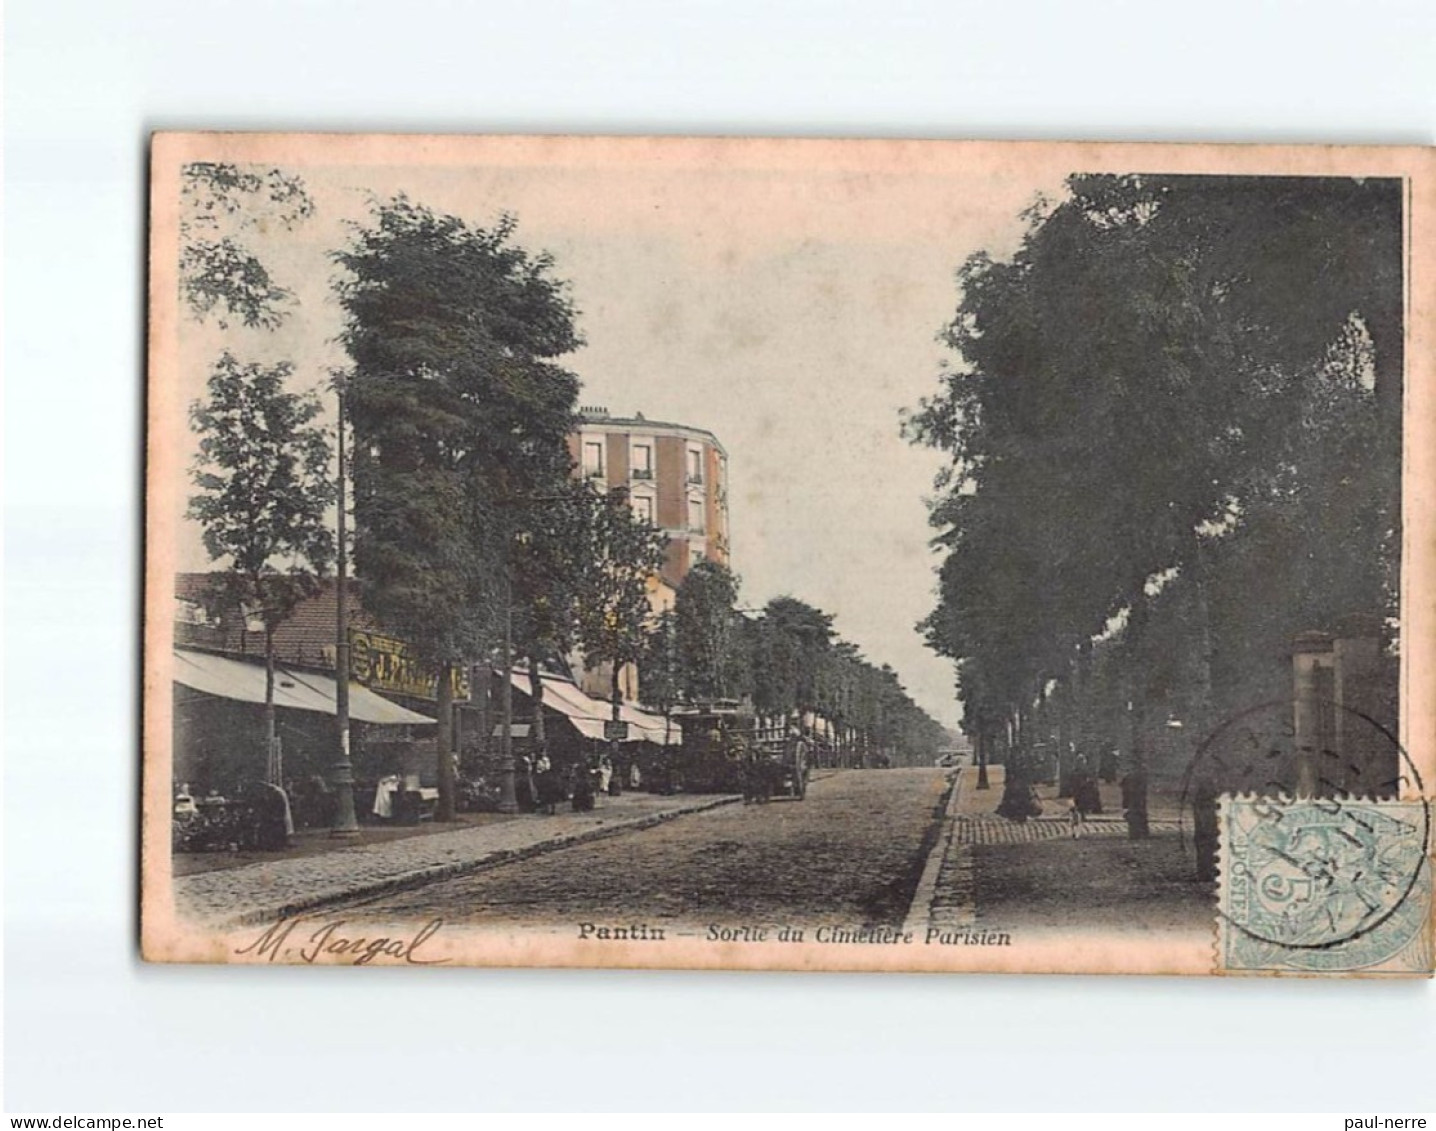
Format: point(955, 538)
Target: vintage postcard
point(790, 554)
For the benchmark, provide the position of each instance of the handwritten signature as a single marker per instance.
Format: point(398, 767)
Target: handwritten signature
point(330, 939)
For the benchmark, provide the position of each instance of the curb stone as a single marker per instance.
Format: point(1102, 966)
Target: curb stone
point(920, 911)
point(419, 877)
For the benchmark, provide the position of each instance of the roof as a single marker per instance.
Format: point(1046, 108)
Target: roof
point(643, 424)
point(243, 681)
point(305, 637)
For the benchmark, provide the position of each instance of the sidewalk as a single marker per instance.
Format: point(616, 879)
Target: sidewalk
point(978, 822)
point(989, 872)
point(264, 892)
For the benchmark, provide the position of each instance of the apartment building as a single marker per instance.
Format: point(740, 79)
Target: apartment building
point(676, 476)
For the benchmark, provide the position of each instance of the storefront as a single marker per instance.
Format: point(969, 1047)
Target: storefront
point(219, 730)
point(577, 725)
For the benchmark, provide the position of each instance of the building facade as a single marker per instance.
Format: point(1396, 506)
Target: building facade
point(676, 477)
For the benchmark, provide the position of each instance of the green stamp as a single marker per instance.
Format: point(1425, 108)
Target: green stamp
point(1322, 885)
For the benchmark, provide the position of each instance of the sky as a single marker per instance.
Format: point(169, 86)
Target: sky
point(787, 299)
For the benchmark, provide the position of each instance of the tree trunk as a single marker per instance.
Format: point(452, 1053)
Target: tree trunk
point(272, 771)
point(1066, 756)
point(1082, 707)
point(982, 743)
point(1016, 801)
point(444, 742)
point(1198, 726)
point(483, 680)
point(508, 796)
point(1134, 785)
point(540, 736)
point(617, 715)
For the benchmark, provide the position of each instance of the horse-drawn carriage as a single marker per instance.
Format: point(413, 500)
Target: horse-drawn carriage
point(726, 750)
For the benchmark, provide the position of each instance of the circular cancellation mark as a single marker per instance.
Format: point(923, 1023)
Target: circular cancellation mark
point(1318, 852)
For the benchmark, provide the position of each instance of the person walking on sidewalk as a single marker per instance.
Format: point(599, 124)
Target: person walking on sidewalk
point(546, 787)
point(582, 787)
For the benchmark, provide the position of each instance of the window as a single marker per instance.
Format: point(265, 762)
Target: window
point(695, 514)
point(695, 465)
point(643, 508)
point(643, 461)
point(593, 458)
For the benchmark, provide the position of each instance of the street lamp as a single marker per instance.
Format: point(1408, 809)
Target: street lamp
point(345, 824)
point(508, 781)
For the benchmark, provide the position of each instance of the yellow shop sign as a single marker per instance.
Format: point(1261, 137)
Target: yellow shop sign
point(383, 663)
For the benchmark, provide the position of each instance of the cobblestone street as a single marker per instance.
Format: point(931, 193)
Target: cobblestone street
point(851, 853)
point(256, 893)
point(866, 848)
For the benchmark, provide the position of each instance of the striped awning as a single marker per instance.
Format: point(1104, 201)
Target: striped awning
point(588, 714)
point(296, 691)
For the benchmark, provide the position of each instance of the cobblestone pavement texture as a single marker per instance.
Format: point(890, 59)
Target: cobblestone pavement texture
point(263, 892)
point(850, 854)
point(989, 877)
point(1124, 887)
point(999, 830)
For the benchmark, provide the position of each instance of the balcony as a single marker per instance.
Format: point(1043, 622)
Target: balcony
point(695, 479)
point(643, 473)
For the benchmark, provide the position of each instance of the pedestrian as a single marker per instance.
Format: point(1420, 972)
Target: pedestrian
point(1086, 794)
point(1077, 818)
point(582, 788)
point(635, 776)
point(605, 774)
point(546, 788)
point(526, 795)
point(385, 794)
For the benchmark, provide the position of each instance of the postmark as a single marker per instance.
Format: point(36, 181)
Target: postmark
point(1322, 847)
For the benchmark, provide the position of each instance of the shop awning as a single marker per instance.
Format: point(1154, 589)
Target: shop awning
point(296, 691)
point(651, 727)
point(588, 714)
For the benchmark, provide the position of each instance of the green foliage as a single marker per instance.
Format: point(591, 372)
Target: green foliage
point(263, 474)
point(705, 616)
point(658, 682)
point(460, 421)
point(549, 571)
point(1176, 378)
point(797, 665)
point(219, 276)
point(623, 553)
point(793, 640)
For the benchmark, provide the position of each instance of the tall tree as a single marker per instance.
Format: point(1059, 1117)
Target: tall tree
point(705, 616)
point(223, 206)
point(459, 414)
point(623, 553)
point(799, 636)
point(548, 575)
point(1130, 389)
point(263, 489)
point(658, 681)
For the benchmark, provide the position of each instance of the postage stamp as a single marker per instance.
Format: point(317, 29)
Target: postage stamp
point(1321, 884)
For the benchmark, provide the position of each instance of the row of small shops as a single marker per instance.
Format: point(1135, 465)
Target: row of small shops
point(220, 747)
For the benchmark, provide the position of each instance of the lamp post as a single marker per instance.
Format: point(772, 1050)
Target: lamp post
point(508, 781)
point(345, 824)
